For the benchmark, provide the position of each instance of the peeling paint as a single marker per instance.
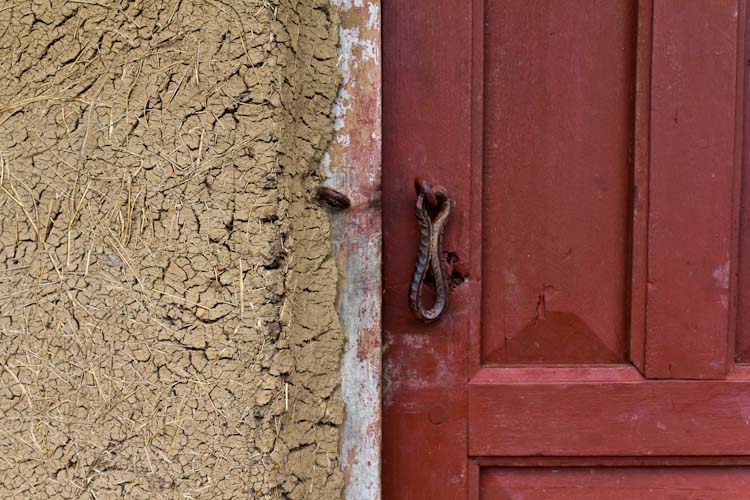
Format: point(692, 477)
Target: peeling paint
point(352, 166)
point(721, 278)
point(721, 275)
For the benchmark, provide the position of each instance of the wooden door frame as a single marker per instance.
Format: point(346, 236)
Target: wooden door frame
point(352, 165)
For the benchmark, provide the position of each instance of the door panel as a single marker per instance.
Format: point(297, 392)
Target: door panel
point(614, 483)
point(691, 176)
point(558, 127)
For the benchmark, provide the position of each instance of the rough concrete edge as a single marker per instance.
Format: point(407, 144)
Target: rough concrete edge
point(352, 166)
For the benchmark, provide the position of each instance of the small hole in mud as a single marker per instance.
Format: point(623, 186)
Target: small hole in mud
point(273, 265)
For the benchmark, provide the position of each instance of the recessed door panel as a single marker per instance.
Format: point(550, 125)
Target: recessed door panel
point(615, 483)
point(558, 127)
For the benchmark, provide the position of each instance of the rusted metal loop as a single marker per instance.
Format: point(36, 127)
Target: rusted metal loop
point(421, 186)
point(430, 261)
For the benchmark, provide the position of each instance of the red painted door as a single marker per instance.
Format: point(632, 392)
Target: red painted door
point(597, 348)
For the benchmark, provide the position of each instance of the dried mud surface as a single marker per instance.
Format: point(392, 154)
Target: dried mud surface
point(167, 321)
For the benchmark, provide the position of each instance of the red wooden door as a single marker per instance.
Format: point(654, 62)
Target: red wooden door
point(596, 349)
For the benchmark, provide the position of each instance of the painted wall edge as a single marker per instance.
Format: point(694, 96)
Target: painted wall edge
point(353, 166)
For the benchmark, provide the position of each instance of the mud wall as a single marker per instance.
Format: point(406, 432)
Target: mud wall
point(167, 322)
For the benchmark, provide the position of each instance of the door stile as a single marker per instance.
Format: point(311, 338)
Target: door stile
point(427, 74)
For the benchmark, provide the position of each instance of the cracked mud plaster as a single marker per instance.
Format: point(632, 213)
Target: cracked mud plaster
point(167, 321)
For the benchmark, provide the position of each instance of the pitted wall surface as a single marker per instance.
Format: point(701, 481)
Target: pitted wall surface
point(167, 321)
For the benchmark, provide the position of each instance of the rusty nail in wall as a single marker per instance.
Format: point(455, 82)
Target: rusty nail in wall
point(334, 199)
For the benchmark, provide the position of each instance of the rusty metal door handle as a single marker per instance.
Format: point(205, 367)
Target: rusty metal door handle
point(430, 261)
